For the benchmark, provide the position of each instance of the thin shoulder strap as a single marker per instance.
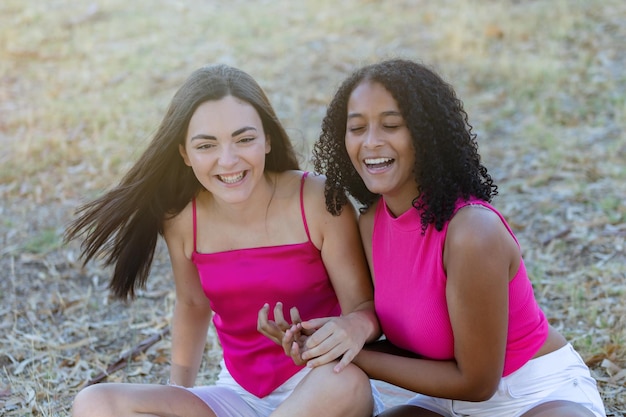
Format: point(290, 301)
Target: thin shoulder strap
point(306, 226)
point(193, 206)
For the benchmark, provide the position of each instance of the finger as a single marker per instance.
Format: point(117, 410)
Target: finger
point(295, 315)
point(289, 338)
point(319, 336)
point(327, 357)
point(262, 323)
point(316, 323)
point(321, 349)
point(279, 317)
point(291, 346)
point(296, 356)
point(267, 327)
point(311, 326)
point(324, 340)
point(345, 361)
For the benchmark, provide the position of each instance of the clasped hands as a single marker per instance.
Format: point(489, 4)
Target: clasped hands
point(313, 342)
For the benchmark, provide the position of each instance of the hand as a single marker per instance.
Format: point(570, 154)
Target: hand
point(331, 338)
point(275, 329)
point(293, 343)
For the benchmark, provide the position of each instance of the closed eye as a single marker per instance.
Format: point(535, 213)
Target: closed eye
point(205, 146)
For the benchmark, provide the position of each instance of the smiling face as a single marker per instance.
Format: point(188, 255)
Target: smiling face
point(379, 145)
point(225, 145)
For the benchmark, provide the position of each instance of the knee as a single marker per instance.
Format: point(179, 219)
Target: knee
point(358, 378)
point(93, 401)
point(351, 382)
point(352, 388)
point(325, 392)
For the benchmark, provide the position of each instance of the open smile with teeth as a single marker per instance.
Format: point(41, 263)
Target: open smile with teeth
point(232, 178)
point(378, 162)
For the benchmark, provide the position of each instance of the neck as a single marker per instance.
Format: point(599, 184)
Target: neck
point(398, 205)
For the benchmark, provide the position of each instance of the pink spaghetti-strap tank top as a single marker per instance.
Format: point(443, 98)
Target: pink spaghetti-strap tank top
point(239, 282)
point(410, 293)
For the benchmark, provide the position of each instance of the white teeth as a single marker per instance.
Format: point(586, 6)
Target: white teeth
point(231, 179)
point(376, 161)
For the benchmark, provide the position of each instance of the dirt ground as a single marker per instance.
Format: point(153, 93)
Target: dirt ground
point(78, 83)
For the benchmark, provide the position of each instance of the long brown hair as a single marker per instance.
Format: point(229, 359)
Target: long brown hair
point(124, 223)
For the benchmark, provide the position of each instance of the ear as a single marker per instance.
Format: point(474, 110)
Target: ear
point(268, 145)
point(183, 153)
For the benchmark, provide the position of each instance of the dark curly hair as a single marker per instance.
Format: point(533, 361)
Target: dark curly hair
point(447, 163)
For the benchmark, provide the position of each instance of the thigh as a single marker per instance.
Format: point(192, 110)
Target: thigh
point(114, 399)
point(559, 409)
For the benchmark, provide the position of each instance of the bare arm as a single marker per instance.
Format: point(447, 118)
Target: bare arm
point(339, 241)
point(192, 313)
point(480, 257)
point(366, 229)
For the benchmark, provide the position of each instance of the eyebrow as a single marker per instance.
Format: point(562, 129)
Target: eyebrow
point(385, 113)
point(235, 133)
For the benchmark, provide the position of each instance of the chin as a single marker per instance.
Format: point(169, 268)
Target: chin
point(376, 188)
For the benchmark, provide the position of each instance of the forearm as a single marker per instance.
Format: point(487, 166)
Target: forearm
point(384, 346)
point(434, 378)
point(189, 332)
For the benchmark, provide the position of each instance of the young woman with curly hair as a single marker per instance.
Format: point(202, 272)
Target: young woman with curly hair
point(463, 329)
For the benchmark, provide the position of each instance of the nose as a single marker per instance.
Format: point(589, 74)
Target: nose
point(372, 139)
point(228, 156)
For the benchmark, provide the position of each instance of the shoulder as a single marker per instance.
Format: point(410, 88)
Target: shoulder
point(474, 222)
point(313, 190)
point(478, 229)
point(288, 183)
point(173, 223)
point(178, 228)
point(315, 182)
point(321, 222)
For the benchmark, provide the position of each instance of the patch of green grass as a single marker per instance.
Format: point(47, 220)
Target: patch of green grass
point(43, 242)
point(613, 207)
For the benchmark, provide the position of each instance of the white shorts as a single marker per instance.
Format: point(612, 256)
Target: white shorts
point(558, 375)
point(229, 399)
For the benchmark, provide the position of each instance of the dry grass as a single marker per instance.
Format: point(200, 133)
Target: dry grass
point(82, 86)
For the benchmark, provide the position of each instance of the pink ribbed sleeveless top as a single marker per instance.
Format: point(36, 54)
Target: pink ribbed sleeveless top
point(410, 296)
point(239, 282)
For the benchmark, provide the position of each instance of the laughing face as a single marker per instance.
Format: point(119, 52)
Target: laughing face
point(380, 146)
point(225, 146)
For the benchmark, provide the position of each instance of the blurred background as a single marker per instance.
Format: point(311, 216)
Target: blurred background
point(84, 84)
